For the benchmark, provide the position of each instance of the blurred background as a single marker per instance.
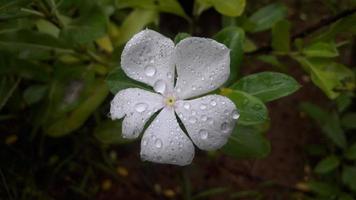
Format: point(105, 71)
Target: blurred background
point(59, 70)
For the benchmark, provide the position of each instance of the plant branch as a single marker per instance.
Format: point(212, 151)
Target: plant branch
point(309, 30)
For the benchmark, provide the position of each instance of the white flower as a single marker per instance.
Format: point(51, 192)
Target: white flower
point(202, 65)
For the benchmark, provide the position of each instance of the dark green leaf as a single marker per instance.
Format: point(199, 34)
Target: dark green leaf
point(251, 109)
point(247, 142)
point(327, 165)
point(267, 86)
point(281, 36)
point(117, 80)
point(180, 36)
point(349, 120)
point(233, 38)
point(35, 93)
point(267, 16)
point(108, 132)
point(321, 49)
point(323, 189)
point(349, 177)
point(7, 88)
point(329, 123)
point(350, 153)
point(210, 192)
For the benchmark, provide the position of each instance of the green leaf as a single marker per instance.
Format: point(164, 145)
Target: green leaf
point(349, 121)
point(168, 6)
point(350, 153)
point(249, 45)
point(321, 49)
point(251, 109)
point(35, 93)
point(323, 189)
point(349, 177)
point(247, 142)
point(266, 17)
point(78, 116)
point(281, 36)
point(27, 44)
point(327, 75)
point(90, 26)
point(11, 9)
point(210, 192)
point(45, 26)
point(329, 123)
point(135, 22)
point(272, 60)
point(327, 165)
point(234, 39)
point(345, 197)
point(232, 8)
point(267, 86)
point(117, 80)
point(108, 132)
point(7, 89)
point(180, 36)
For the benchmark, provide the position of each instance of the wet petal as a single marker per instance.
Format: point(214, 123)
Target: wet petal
point(202, 64)
point(209, 120)
point(148, 58)
point(165, 142)
point(137, 106)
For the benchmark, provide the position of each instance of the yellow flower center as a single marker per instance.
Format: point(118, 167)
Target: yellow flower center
point(170, 101)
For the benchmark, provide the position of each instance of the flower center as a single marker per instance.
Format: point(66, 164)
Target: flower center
point(170, 101)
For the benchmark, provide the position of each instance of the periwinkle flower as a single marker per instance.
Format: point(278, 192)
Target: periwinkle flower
point(202, 65)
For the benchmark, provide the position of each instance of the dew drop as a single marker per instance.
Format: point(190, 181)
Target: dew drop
point(186, 106)
point(144, 142)
point(204, 118)
point(235, 114)
point(192, 120)
point(225, 127)
point(141, 107)
point(203, 134)
point(194, 87)
point(202, 106)
point(213, 103)
point(158, 143)
point(160, 86)
point(150, 71)
point(169, 75)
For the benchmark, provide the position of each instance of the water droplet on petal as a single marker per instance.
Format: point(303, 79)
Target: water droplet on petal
point(144, 142)
point(235, 114)
point(141, 107)
point(186, 106)
point(225, 127)
point(203, 134)
point(204, 118)
point(213, 103)
point(160, 86)
point(202, 106)
point(158, 143)
point(150, 71)
point(169, 75)
point(192, 120)
point(194, 87)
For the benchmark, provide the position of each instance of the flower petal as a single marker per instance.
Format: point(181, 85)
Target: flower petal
point(165, 142)
point(209, 120)
point(137, 106)
point(202, 64)
point(148, 58)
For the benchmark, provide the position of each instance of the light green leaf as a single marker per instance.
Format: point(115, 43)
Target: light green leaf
point(251, 109)
point(327, 75)
point(267, 86)
point(349, 177)
point(168, 6)
point(134, 22)
point(117, 80)
point(328, 122)
point(267, 16)
point(349, 121)
point(45, 26)
point(234, 39)
point(321, 49)
point(247, 142)
point(327, 165)
point(281, 36)
point(109, 132)
point(249, 45)
point(232, 8)
point(350, 153)
point(35, 93)
point(78, 116)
